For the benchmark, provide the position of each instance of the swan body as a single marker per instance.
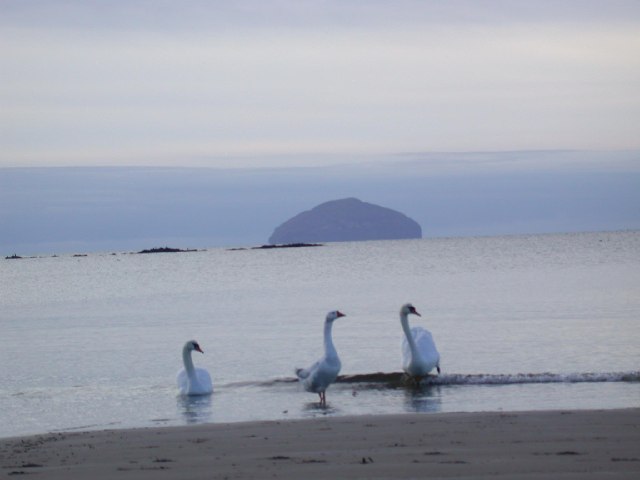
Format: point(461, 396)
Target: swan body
point(193, 380)
point(323, 372)
point(419, 353)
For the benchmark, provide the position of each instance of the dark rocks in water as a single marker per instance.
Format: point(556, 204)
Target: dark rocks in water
point(388, 380)
point(13, 257)
point(288, 245)
point(346, 220)
point(269, 247)
point(165, 250)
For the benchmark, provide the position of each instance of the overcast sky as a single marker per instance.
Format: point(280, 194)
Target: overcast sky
point(296, 83)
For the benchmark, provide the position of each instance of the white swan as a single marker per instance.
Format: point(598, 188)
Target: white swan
point(419, 353)
point(324, 372)
point(193, 380)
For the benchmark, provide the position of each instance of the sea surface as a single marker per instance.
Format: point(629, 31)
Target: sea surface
point(521, 322)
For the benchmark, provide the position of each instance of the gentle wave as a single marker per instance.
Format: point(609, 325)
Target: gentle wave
point(399, 379)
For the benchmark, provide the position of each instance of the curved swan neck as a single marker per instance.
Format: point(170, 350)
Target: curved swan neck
point(404, 321)
point(188, 361)
point(329, 349)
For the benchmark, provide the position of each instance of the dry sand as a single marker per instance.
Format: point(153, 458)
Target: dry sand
point(530, 445)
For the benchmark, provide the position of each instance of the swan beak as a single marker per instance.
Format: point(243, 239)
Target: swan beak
point(198, 349)
point(415, 312)
point(340, 314)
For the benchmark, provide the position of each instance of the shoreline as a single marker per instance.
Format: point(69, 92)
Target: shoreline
point(531, 444)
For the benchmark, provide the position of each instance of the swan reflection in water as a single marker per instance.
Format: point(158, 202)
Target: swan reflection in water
point(423, 399)
point(195, 408)
point(315, 409)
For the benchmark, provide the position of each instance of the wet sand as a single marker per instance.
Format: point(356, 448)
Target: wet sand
point(522, 445)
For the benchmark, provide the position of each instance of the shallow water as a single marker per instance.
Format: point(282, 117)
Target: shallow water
point(521, 322)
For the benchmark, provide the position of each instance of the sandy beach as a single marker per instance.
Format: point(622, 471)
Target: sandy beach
point(526, 445)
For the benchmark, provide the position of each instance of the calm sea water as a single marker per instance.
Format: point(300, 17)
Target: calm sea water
point(521, 322)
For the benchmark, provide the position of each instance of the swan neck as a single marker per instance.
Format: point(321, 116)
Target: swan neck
point(329, 349)
point(404, 321)
point(188, 362)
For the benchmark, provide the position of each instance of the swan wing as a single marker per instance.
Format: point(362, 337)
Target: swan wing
point(201, 385)
point(204, 381)
point(426, 345)
point(302, 373)
point(429, 358)
point(320, 375)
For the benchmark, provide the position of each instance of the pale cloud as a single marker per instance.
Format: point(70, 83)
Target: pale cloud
point(149, 83)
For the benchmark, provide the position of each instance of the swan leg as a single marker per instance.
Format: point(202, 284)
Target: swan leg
point(323, 399)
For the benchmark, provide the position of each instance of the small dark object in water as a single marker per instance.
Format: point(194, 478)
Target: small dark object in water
point(165, 250)
point(287, 245)
point(271, 246)
point(13, 257)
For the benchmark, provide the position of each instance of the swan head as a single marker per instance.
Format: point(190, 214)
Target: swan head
point(407, 308)
point(333, 315)
point(192, 345)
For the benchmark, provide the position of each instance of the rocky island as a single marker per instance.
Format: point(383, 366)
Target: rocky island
point(164, 250)
point(346, 220)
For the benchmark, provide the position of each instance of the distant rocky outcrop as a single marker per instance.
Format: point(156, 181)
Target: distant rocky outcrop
point(346, 220)
point(272, 246)
point(165, 250)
